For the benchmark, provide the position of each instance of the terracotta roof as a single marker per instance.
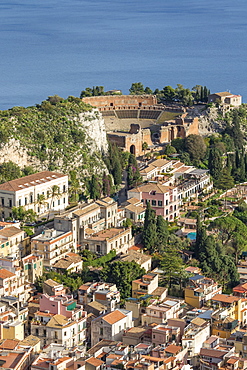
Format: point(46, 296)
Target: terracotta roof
point(30, 340)
point(240, 288)
point(57, 321)
point(212, 353)
point(51, 283)
point(113, 317)
point(10, 231)
point(223, 94)
point(86, 209)
point(94, 361)
point(9, 344)
point(225, 298)
point(173, 349)
point(96, 305)
point(4, 274)
point(198, 321)
point(160, 189)
point(31, 180)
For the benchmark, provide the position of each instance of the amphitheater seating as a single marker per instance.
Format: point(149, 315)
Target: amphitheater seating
point(149, 114)
point(131, 113)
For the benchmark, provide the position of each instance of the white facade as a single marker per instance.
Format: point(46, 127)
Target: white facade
point(26, 191)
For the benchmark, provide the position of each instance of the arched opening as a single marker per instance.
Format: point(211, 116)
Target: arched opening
point(133, 149)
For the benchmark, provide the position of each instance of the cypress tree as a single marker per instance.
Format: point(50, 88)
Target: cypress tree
point(215, 162)
point(149, 234)
point(162, 231)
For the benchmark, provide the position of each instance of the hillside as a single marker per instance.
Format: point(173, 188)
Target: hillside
point(58, 134)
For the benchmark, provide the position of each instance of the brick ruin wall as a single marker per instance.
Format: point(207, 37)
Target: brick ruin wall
point(111, 102)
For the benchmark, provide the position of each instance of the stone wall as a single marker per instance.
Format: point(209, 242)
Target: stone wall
point(111, 102)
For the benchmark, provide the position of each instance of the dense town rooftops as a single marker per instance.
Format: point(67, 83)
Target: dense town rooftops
point(30, 180)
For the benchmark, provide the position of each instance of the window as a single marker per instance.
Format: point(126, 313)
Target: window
point(166, 202)
point(25, 201)
point(64, 200)
point(160, 203)
point(65, 333)
point(10, 203)
point(64, 188)
point(98, 248)
point(153, 202)
point(37, 331)
point(19, 202)
point(58, 202)
point(2, 201)
point(101, 331)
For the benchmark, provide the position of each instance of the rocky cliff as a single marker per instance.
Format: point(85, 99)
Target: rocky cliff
point(65, 135)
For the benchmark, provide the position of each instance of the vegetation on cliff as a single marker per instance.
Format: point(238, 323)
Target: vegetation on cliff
point(53, 136)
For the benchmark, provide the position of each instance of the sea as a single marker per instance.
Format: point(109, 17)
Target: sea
point(61, 47)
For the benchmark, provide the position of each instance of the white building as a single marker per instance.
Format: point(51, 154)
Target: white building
point(27, 190)
point(111, 325)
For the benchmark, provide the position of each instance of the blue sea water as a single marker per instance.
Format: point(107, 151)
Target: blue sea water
point(61, 47)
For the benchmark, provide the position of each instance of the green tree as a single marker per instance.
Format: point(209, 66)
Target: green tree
point(133, 173)
point(149, 234)
point(9, 171)
point(122, 274)
point(137, 88)
point(74, 186)
point(172, 264)
point(215, 162)
point(94, 188)
point(161, 232)
point(168, 94)
point(148, 91)
point(225, 180)
point(195, 146)
point(232, 232)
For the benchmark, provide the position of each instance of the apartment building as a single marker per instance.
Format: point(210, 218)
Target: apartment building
point(59, 320)
point(32, 267)
point(11, 239)
point(194, 335)
point(111, 325)
point(160, 313)
point(88, 218)
point(25, 192)
point(52, 245)
point(163, 199)
point(200, 289)
point(13, 284)
point(104, 241)
point(145, 285)
point(106, 294)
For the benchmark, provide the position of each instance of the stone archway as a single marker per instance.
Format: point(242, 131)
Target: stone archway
point(133, 149)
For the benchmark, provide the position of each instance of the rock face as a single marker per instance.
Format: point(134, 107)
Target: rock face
point(86, 159)
point(210, 122)
point(94, 125)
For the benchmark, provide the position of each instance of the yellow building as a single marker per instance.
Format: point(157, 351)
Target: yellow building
point(12, 330)
point(199, 290)
point(145, 285)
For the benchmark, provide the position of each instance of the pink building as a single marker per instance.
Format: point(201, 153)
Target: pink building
point(163, 199)
point(59, 320)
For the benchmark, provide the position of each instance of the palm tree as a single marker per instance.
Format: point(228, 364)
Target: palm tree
point(74, 186)
point(54, 193)
point(41, 201)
